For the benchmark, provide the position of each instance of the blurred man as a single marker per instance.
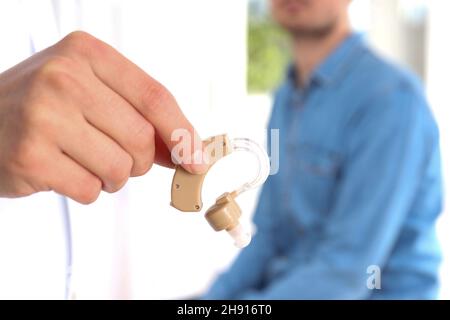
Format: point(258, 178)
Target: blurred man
point(352, 211)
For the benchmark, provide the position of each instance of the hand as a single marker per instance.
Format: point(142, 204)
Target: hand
point(78, 117)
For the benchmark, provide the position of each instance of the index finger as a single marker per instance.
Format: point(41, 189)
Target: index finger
point(153, 101)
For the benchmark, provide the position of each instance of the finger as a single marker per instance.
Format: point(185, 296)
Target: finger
point(97, 153)
point(68, 178)
point(162, 154)
point(116, 118)
point(152, 100)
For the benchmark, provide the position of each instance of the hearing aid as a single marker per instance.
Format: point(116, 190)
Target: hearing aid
point(186, 191)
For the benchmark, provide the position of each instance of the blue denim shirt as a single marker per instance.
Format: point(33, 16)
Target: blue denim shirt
point(359, 188)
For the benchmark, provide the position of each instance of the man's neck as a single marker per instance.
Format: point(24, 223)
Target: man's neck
point(309, 52)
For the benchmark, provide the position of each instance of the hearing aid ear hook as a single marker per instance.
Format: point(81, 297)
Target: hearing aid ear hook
point(225, 213)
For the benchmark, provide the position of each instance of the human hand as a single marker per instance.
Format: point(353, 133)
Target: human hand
point(78, 117)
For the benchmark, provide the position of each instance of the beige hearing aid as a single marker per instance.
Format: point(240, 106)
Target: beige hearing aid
point(225, 213)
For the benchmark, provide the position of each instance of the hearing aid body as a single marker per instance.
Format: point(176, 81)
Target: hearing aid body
point(225, 213)
point(187, 187)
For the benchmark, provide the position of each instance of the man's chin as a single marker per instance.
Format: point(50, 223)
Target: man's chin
point(300, 31)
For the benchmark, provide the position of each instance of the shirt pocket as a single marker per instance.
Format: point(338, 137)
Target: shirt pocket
point(313, 179)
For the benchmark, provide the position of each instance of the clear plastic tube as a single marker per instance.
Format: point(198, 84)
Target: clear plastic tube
point(239, 234)
point(245, 144)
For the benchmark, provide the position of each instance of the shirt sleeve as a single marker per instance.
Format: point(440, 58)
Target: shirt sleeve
point(389, 147)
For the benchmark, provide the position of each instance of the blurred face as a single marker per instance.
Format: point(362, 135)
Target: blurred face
point(309, 17)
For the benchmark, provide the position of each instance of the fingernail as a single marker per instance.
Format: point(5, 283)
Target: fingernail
point(200, 162)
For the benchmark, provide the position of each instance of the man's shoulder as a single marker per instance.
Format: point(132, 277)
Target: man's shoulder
point(389, 92)
point(376, 75)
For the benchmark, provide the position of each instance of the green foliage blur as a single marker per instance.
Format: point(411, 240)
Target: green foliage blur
point(268, 55)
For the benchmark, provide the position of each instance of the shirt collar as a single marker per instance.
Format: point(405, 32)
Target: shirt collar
point(336, 63)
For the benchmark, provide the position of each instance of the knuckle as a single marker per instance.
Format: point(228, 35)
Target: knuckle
point(77, 36)
point(142, 166)
point(143, 147)
point(40, 104)
point(155, 98)
point(39, 119)
point(57, 73)
point(88, 190)
point(143, 140)
point(118, 172)
point(76, 39)
point(82, 43)
point(26, 158)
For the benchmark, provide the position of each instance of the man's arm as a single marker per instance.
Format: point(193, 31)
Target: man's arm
point(247, 270)
point(394, 144)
